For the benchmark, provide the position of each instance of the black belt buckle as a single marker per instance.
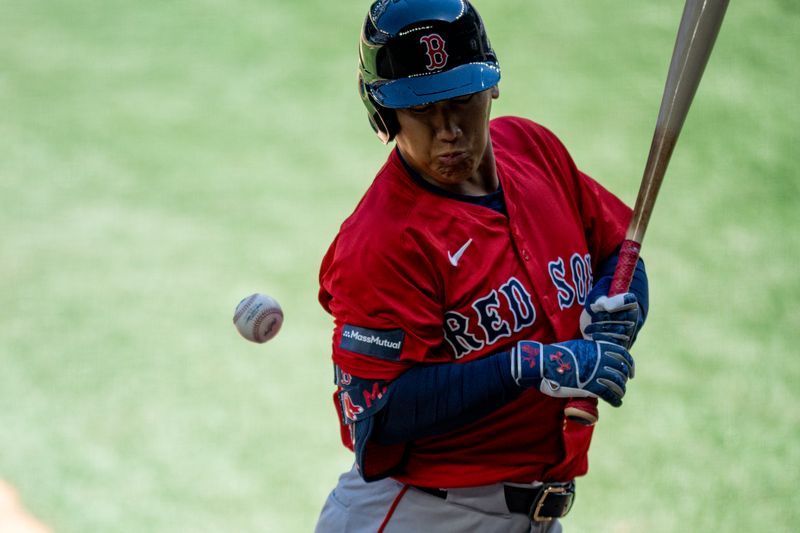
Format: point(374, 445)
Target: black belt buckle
point(554, 500)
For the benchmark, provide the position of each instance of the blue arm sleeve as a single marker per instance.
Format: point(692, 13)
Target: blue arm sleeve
point(424, 401)
point(431, 400)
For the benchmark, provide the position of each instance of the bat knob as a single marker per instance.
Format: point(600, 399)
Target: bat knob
point(583, 411)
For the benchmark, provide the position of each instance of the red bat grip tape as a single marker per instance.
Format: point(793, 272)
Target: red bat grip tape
point(623, 274)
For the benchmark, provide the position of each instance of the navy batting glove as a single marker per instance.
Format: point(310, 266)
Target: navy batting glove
point(616, 319)
point(576, 368)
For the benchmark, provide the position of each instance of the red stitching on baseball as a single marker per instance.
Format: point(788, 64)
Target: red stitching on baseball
point(261, 318)
point(245, 305)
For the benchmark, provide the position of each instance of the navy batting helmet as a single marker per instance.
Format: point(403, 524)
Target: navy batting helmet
point(416, 52)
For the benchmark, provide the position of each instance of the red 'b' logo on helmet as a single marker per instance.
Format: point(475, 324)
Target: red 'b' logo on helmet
point(437, 57)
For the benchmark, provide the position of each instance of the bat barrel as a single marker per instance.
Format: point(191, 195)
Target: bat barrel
point(697, 33)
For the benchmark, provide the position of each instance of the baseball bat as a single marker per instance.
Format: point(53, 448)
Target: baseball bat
point(697, 32)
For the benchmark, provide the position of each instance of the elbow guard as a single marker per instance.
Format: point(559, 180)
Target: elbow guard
point(359, 400)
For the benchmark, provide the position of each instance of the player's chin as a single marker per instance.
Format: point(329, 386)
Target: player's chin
point(456, 172)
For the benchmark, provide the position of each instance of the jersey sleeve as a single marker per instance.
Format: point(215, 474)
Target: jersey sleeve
point(382, 293)
point(604, 216)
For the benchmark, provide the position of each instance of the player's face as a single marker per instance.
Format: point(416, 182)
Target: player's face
point(448, 142)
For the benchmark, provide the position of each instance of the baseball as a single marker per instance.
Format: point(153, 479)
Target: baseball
point(258, 317)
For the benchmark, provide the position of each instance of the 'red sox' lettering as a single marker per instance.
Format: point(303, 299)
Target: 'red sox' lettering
point(465, 335)
point(490, 325)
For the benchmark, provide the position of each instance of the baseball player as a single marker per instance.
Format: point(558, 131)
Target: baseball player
point(457, 288)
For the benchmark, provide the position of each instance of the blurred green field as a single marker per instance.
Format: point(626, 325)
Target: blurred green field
point(161, 160)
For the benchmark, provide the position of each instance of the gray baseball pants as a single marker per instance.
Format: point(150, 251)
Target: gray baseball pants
point(388, 506)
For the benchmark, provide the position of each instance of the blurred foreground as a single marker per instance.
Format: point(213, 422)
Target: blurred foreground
point(13, 516)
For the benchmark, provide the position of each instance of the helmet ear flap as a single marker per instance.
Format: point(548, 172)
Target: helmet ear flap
point(383, 120)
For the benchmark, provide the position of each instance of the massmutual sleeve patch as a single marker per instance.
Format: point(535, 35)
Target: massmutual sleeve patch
point(380, 343)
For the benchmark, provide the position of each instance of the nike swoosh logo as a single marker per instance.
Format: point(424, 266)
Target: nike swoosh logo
point(455, 258)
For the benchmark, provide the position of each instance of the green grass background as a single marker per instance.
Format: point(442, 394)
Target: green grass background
point(160, 160)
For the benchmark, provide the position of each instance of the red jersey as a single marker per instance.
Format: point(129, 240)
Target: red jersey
point(416, 277)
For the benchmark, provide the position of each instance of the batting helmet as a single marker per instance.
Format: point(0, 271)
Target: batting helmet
point(416, 52)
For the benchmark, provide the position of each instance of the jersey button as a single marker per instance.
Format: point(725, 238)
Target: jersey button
point(525, 255)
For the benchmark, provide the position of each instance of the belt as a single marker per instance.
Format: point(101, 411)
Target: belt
point(542, 503)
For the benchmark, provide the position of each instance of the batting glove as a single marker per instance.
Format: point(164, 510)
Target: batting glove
point(576, 368)
point(616, 319)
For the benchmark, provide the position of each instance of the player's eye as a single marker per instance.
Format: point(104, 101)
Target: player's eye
point(420, 109)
